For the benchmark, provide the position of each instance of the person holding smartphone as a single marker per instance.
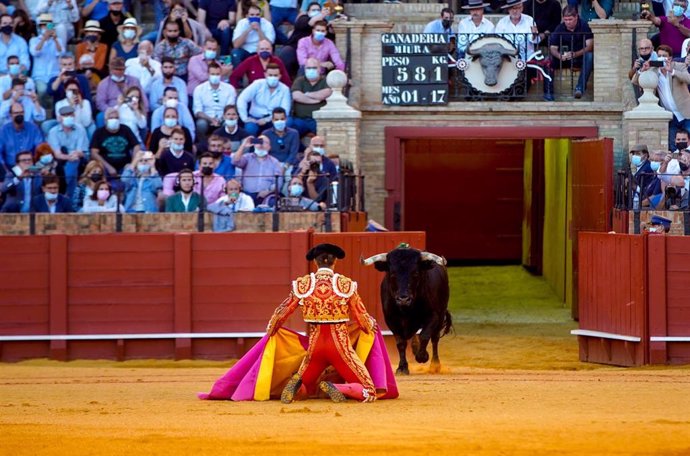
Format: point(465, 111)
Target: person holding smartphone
point(261, 173)
point(248, 32)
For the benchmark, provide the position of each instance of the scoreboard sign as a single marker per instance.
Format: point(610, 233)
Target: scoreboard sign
point(415, 68)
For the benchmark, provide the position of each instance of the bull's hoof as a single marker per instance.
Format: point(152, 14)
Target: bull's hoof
point(435, 367)
point(422, 356)
point(414, 344)
point(402, 371)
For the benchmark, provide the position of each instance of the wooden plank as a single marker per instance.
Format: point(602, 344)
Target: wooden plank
point(58, 294)
point(239, 276)
point(14, 314)
point(24, 262)
point(142, 295)
point(211, 242)
point(121, 312)
point(141, 261)
point(109, 278)
point(25, 296)
point(36, 245)
point(104, 327)
point(134, 243)
point(241, 259)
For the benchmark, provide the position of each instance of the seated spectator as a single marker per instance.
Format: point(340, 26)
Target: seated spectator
point(94, 172)
point(51, 201)
point(206, 181)
point(282, 11)
point(177, 48)
point(45, 50)
point(144, 68)
point(12, 44)
point(102, 200)
point(20, 185)
point(639, 158)
point(652, 193)
point(284, 140)
point(342, 165)
point(171, 100)
point(174, 158)
point(142, 184)
point(91, 44)
point(83, 113)
point(114, 145)
point(111, 89)
point(645, 51)
point(185, 199)
point(248, 32)
point(188, 28)
point(571, 46)
point(198, 65)
point(303, 28)
point(256, 103)
point(321, 48)
point(18, 136)
point(33, 111)
point(64, 14)
point(254, 67)
point(261, 173)
point(210, 98)
point(475, 24)
point(222, 152)
point(309, 94)
point(159, 140)
point(70, 145)
point(127, 44)
point(110, 23)
point(133, 112)
point(167, 79)
point(218, 16)
point(671, 164)
point(670, 26)
point(326, 166)
point(314, 180)
point(296, 198)
point(672, 90)
point(14, 73)
point(56, 85)
point(234, 200)
point(231, 129)
point(25, 25)
point(243, 8)
point(593, 9)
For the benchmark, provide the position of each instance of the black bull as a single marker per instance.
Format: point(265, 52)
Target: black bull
point(414, 295)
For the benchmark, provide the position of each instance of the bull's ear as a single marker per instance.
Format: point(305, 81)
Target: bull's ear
point(425, 265)
point(381, 266)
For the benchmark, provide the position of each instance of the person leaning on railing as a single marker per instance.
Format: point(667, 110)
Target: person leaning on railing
point(142, 184)
point(103, 199)
point(51, 201)
point(22, 182)
point(94, 172)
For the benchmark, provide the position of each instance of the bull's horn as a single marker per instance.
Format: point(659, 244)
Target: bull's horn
point(470, 52)
point(505, 51)
point(430, 256)
point(373, 259)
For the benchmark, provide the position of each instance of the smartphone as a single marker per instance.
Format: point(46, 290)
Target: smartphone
point(254, 19)
point(257, 141)
point(50, 26)
point(675, 155)
point(657, 63)
point(226, 60)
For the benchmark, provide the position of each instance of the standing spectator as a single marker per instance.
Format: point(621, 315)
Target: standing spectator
point(254, 67)
point(159, 140)
point(210, 98)
point(574, 35)
point(21, 184)
point(33, 111)
point(645, 51)
point(51, 201)
point(143, 67)
point(142, 184)
point(185, 199)
point(171, 100)
point(546, 14)
point(198, 65)
point(309, 94)
point(167, 79)
point(86, 186)
point(114, 144)
point(175, 158)
point(102, 200)
point(95, 10)
point(12, 44)
point(674, 28)
point(303, 28)
point(127, 44)
point(475, 25)
point(321, 48)
point(179, 49)
point(234, 200)
point(444, 24)
point(206, 181)
point(593, 9)
point(284, 140)
point(283, 11)
point(188, 28)
point(115, 18)
point(263, 95)
point(56, 85)
point(248, 33)
point(18, 136)
point(91, 45)
point(219, 17)
point(296, 196)
point(133, 112)
point(45, 50)
point(112, 88)
point(231, 129)
point(70, 144)
point(261, 173)
point(64, 13)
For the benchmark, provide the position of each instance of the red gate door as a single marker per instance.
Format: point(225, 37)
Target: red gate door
point(591, 177)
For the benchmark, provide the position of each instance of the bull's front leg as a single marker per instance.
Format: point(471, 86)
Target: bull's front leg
point(401, 344)
point(431, 327)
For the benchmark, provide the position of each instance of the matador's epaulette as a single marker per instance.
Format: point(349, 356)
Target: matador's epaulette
point(304, 286)
point(344, 286)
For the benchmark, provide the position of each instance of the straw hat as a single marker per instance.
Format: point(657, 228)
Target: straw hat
point(92, 26)
point(130, 22)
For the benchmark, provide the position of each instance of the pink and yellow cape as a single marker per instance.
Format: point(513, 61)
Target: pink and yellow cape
point(261, 374)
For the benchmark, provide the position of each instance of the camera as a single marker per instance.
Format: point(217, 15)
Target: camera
point(315, 166)
point(657, 63)
point(258, 141)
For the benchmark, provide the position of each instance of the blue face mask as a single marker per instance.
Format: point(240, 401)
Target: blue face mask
point(279, 125)
point(678, 10)
point(50, 196)
point(46, 159)
point(209, 55)
point(636, 160)
point(296, 190)
point(319, 36)
point(655, 166)
point(311, 73)
point(143, 168)
point(170, 122)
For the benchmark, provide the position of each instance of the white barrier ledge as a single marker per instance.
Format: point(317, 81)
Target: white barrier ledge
point(604, 335)
point(670, 338)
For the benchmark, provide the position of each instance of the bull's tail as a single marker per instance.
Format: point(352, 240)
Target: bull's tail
point(447, 324)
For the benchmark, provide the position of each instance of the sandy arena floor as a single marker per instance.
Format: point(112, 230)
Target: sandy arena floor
point(151, 408)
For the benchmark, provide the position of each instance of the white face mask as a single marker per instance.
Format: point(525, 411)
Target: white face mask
point(171, 103)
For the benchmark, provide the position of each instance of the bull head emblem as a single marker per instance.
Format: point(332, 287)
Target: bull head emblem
point(491, 57)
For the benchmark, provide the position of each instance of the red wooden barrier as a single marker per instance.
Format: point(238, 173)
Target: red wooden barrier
point(162, 295)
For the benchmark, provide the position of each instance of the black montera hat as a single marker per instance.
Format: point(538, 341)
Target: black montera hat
point(320, 249)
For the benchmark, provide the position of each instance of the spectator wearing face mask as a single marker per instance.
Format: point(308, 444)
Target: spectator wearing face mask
point(14, 73)
point(206, 181)
point(651, 194)
point(296, 197)
point(51, 201)
point(673, 28)
point(284, 140)
point(234, 200)
point(254, 67)
point(17, 136)
point(210, 98)
point(86, 186)
point(231, 129)
point(171, 100)
point(91, 44)
point(175, 158)
point(142, 184)
point(317, 144)
point(248, 32)
point(127, 44)
point(639, 159)
point(102, 200)
point(114, 144)
point(21, 184)
point(321, 48)
point(143, 67)
point(257, 102)
point(33, 111)
point(198, 65)
point(443, 25)
point(64, 14)
point(262, 174)
point(309, 94)
point(110, 23)
point(160, 137)
point(70, 145)
point(12, 44)
point(303, 28)
point(185, 199)
point(178, 48)
point(645, 51)
point(45, 50)
point(113, 88)
point(160, 84)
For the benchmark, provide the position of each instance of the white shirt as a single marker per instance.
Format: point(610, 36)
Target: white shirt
point(244, 202)
point(136, 122)
point(82, 112)
point(517, 33)
point(133, 67)
point(251, 44)
point(666, 95)
point(258, 100)
point(212, 101)
point(468, 31)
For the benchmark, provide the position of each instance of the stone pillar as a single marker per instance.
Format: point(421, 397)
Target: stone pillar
point(613, 51)
point(648, 122)
point(339, 123)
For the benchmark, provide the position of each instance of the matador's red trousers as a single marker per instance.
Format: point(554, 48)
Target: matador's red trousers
point(329, 345)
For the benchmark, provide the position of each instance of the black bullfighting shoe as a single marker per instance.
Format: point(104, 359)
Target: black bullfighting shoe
point(288, 394)
point(333, 392)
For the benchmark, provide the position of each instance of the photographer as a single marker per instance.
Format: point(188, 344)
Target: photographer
point(645, 51)
point(21, 184)
point(674, 28)
point(315, 182)
point(261, 172)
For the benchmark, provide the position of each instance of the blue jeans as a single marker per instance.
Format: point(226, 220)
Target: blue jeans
point(224, 37)
point(254, 129)
point(238, 55)
point(280, 15)
point(586, 72)
point(303, 125)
